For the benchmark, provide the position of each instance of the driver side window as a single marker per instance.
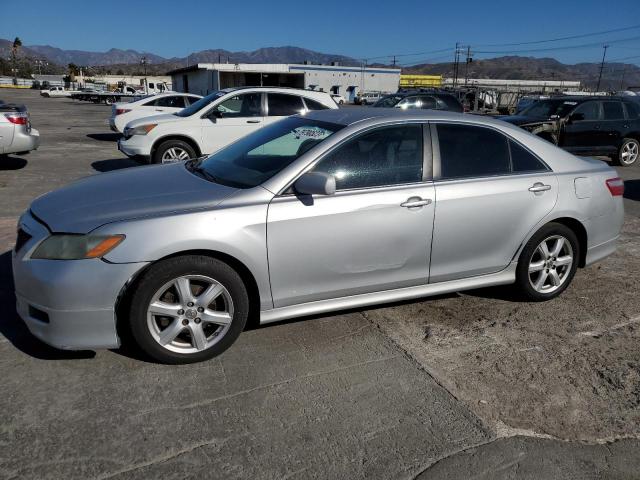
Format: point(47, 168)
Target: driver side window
point(245, 105)
point(385, 156)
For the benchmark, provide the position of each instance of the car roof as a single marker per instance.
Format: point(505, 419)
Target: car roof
point(351, 115)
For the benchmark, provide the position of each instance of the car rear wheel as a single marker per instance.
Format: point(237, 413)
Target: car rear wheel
point(628, 153)
point(173, 151)
point(188, 309)
point(547, 263)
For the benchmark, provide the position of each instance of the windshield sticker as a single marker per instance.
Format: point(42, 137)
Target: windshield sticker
point(310, 132)
point(570, 103)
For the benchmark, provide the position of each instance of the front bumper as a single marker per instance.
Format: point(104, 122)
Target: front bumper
point(135, 147)
point(69, 304)
point(24, 141)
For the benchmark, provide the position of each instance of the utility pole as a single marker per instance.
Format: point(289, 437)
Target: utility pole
point(466, 68)
point(455, 65)
point(394, 60)
point(143, 62)
point(624, 69)
point(604, 53)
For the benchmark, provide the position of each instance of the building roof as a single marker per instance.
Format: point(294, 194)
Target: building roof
point(277, 67)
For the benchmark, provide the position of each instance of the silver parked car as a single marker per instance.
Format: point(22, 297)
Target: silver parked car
point(323, 211)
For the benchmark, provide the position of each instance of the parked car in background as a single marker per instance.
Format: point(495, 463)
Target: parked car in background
point(424, 100)
point(16, 133)
point(215, 121)
point(527, 101)
point(327, 210)
point(368, 98)
point(123, 113)
point(588, 125)
point(55, 92)
point(339, 99)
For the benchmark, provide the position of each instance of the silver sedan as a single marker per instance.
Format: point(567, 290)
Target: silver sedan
point(319, 212)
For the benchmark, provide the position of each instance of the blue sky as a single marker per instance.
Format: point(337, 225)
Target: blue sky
point(357, 28)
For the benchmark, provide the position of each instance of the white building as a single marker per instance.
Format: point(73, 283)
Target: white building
point(205, 78)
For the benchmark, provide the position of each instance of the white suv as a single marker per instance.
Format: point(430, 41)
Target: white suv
point(215, 121)
point(124, 112)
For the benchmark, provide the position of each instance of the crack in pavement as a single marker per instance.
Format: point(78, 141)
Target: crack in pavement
point(211, 401)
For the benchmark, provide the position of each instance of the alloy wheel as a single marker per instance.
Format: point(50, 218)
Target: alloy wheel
point(550, 265)
point(190, 314)
point(175, 154)
point(629, 153)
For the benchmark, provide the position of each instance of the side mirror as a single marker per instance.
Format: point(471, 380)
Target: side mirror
point(576, 117)
point(316, 183)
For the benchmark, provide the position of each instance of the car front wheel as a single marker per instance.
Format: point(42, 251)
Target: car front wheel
point(173, 151)
point(188, 309)
point(547, 263)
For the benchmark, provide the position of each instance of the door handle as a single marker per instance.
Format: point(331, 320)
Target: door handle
point(253, 121)
point(539, 187)
point(416, 202)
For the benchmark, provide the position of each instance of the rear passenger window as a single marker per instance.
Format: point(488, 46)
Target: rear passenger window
point(281, 105)
point(193, 99)
point(313, 105)
point(612, 110)
point(524, 161)
point(386, 156)
point(633, 110)
point(469, 151)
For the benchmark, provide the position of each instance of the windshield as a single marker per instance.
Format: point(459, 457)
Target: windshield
point(257, 157)
point(547, 108)
point(200, 104)
point(389, 101)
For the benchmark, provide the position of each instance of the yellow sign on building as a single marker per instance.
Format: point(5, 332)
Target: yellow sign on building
point(417, 81)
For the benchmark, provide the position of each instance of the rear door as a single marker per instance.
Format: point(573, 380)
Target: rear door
point(613, 125)
point(231, 119)
point(490, 192)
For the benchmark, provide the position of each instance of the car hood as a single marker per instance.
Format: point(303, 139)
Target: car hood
point(521, 119)
point(126, 194)
point(162, 118)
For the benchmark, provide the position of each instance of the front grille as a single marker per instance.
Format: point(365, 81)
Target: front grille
point(23, 237)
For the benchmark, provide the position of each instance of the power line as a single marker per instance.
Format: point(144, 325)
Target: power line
point(572, 37)
point(568, 47)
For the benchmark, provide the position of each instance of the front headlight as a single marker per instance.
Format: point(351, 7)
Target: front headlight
point(140, 130)
point(76, 247)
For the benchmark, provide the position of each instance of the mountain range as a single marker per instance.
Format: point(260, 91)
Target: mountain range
point(117, 61)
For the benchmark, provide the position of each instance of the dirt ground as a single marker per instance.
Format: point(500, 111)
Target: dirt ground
point(568, 368)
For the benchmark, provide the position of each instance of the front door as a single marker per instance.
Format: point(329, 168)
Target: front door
point(373, 234)
point(230, 120)
point(582, 131)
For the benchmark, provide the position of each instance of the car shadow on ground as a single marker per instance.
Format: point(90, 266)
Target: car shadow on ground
point(12, 163)
point(632, 189)
point(114, 164)
point(105, 137)
point(14, 329)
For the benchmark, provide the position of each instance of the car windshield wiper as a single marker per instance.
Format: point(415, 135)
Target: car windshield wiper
point(194, 167)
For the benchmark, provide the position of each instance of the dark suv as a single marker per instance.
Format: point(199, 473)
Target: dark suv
point(586, 125)
point(426, 100)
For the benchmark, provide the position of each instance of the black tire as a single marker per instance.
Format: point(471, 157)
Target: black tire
point(523, 283)
point(626, 144)
point(169, 144)
point(165, 271)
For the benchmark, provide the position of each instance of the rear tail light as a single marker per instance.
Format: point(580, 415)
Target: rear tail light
point(615, 186)
point(17, 118)
point(120, 111)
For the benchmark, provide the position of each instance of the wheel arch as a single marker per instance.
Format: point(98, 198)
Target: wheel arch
point(575, 226)
point(184, 138)
point(124, 297)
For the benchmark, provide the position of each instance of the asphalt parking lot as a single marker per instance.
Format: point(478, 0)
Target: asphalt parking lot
point(442, 388)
